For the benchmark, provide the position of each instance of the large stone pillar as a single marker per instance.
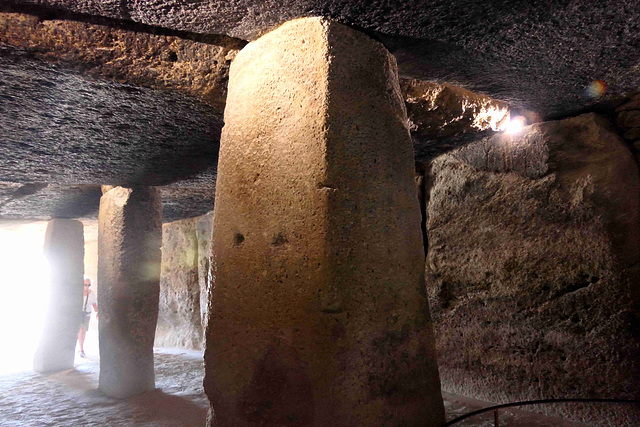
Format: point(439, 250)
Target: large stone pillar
point(129, 240)
point(64, 249)
point(318, 309)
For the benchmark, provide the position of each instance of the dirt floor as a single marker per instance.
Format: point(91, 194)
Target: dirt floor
point(71, 398)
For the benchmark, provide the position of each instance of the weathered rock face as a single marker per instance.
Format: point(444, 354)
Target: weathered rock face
point(135, 57)
point(540, 55)
point(532, 266)
point(318, 314)
point(628, 119)
point(129, 240)
point(179, 323)
point(185, 281)
point(86, 104)
point(204, 228)
point(438, 111)
point(64, 249)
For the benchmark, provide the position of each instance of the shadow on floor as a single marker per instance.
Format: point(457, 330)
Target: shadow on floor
point(161, 407)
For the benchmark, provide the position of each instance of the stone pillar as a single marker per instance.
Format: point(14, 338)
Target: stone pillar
point(64, 248)
point(129, 240)
point(318, 309)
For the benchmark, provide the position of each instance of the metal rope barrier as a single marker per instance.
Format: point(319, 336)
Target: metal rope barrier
point(532, 402)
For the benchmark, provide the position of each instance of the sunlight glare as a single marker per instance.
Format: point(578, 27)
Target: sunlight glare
point(515, 125)
point(24, 287)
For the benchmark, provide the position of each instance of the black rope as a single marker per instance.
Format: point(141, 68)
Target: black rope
point(535, 402)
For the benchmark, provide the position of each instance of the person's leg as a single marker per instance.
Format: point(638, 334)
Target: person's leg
point(84, 327)
point(81, 336)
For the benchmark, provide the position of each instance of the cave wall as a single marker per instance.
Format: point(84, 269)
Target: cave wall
point(532, 267)
point(628, 121)
point(183, 281)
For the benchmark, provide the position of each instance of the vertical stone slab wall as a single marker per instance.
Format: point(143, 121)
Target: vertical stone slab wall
point(64, 249)
point(204, 229)
point(533, 267)
point(318, 310)
point(179, 321)
point(129, 240)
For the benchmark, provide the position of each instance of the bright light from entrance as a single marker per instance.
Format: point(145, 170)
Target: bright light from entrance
point(515, 125)
point(24, 286)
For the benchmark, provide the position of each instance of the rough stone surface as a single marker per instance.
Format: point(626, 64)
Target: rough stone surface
point(179, 323)
point(62, 134)
point(62, 127)
point(632, 104)
point(536, 55)
point(628, 119)
point(532, 267)
point(134, 57)
point(37, 201)
point(188, 199)
point(139, 140)
point(78, 111)
point(632, 134)
point(204, 229)
point(64, 249)
point(129, 240)
point(438, 111)
point(318, 312)
point(185, 282)
point(30, 399)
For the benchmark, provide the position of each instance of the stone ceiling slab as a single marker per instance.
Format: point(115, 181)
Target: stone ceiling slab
point(62, 127)
point(538, 55)
point(44, 202)
point(133, 92)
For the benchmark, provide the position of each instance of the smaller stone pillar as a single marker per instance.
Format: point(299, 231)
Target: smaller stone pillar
point(64, 248)
point(129, 240)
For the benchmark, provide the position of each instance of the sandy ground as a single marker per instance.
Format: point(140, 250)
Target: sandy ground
point(71, 398)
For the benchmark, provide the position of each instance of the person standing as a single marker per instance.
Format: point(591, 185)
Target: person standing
point(89, 301)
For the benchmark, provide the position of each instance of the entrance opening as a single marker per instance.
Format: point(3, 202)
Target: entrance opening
point(24, 293)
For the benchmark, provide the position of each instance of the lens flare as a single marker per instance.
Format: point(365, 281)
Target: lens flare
point(515, 125)
point(596, 89)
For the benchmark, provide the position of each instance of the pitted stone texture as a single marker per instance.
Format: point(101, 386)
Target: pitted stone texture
point(179, 323)
point(62, 127)
point(628, 119)
point(532, 267)
point(64, 249)
point(185, 282)
point(536, 55)
point(438, 111)
point(190, 198)
point(318, 312)
point(129, 240)
point(143, 59)
point(37, 201)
